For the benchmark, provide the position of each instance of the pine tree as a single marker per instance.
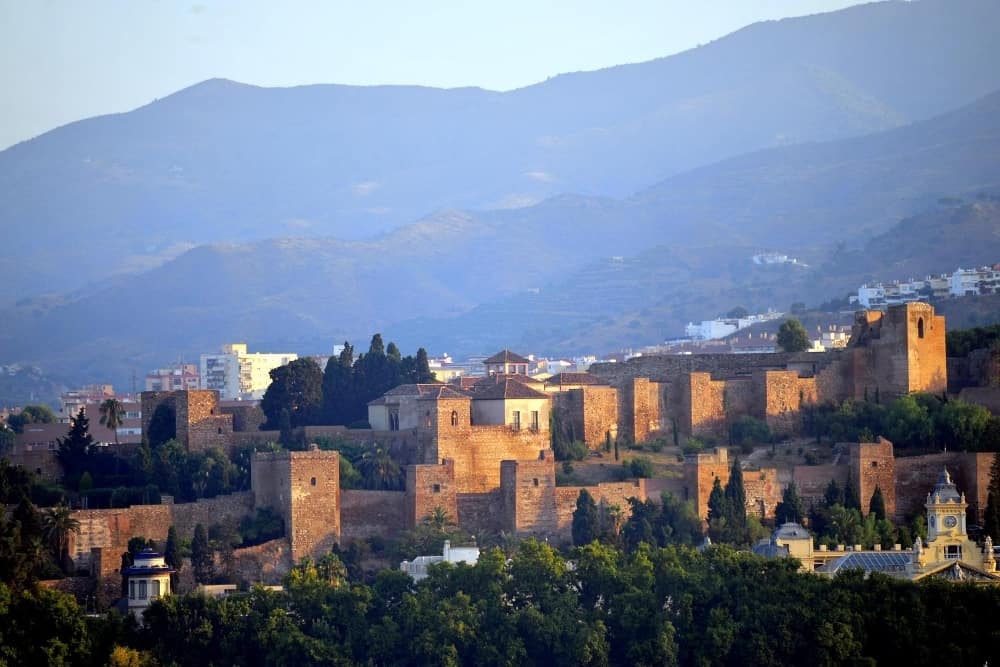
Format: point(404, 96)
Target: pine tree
point(585, 519)
point(877, 504)
point(74, 448)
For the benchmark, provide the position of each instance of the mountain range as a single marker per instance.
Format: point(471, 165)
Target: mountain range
point(604, 207)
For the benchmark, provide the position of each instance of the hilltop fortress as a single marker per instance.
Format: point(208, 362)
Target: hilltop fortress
point(479, 449)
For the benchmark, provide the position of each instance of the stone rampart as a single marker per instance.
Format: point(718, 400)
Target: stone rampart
point(304, 488)
point(111, 529)
point(365, 514)
point(812, 481)
point(640, 409)
point(665, 368)
point(588, 413)
point(265, 563)
point(429, 487)
point(874, 465)
point(478, 450)
point(917, 475)
point(482, 512)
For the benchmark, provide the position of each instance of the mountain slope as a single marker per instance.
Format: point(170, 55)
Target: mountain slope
point(560, 272)
point(225, 162)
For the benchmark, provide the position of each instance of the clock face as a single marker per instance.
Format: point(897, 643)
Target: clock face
point(950, 522)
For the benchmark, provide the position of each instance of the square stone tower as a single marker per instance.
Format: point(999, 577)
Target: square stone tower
point(304, 489)
point(899, 351)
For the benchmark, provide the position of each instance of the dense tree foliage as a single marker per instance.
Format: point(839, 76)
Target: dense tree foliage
point(370, 376)
point(912, 422)
point(31, 414)
point(959, 343)
point(296, 389)
point(793, 337)
point(790, 508)
point(648, 606)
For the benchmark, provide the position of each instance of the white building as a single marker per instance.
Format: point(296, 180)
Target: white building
point(148, 578)
point(417, 568)
point(970, 282)
point(722, 327)
point(237, 374)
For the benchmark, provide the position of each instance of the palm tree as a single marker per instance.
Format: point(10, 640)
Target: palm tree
point(57, 524)
point(112, 415)
point(380, 470)
point(438, 518)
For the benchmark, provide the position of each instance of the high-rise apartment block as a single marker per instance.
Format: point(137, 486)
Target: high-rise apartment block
point(238, 374)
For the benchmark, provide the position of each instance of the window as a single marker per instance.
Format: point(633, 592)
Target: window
point(535, 481)
point(953, 552)
point(534, 420)
point(454, 417)
point(920, 328)
point(131, 590)
point(155, 593)
point(517, 420)
point(142, 589)
point(437, 488)
point(312, 482)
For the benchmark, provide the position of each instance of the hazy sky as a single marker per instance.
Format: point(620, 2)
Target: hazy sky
point(65, 60)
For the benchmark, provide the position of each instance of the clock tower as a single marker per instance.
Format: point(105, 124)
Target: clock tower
point(945, 511)
point(948, 545)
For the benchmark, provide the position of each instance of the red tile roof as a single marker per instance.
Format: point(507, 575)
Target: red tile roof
point(507, 388)
point(506, 357)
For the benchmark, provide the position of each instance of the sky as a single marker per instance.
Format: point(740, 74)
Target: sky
point(64, 60)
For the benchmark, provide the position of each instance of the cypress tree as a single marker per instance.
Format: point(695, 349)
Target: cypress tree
point(585, 519)
point(833, 495)
point(201, 555)
point(790, 508)
point(718, 505)
point(338, 383)
point(852, 498)
point(877, 504)
point(172, 552)
point(736, 496)
point(423, 370)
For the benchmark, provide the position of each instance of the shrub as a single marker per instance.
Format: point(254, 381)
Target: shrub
point(570, 451)
point(639, 467)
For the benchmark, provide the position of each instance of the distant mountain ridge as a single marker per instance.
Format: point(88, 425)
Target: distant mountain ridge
point(570, 274)
point(225, 162)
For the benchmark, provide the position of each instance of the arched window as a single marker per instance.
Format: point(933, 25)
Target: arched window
point(454, 417)
point(920, 328)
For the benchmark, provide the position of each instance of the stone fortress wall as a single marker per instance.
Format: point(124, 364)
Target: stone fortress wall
point(493, 477)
